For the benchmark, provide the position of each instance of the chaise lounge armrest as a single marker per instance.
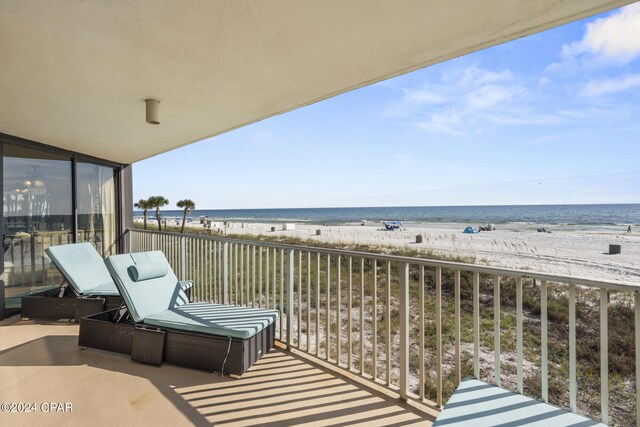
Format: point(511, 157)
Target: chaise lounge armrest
point(185, 284)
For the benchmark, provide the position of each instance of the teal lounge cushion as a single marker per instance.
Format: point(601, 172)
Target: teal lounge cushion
point(148, 270)
point(146, 297)
point(103, 290)
point(215, 319)
point(83, 268)
point(476, 403)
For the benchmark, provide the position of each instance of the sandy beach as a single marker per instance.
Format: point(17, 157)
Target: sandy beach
point(580, 252)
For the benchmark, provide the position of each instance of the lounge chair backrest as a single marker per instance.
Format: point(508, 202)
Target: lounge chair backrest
point(144, 297)
point(82, 267)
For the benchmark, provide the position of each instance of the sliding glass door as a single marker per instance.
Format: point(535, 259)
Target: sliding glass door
point(96, 207)
point(37, 211)
point(50, 198)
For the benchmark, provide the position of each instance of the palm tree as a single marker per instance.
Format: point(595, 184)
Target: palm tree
point(145, 206)
point(157, 202)
point(189, 206)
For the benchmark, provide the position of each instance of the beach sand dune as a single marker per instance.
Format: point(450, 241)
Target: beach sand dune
point(579, 253)
point(575, 253)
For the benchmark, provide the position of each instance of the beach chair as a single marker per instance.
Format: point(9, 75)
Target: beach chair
point(479, 404)
point(168, 328)
point(86, 288)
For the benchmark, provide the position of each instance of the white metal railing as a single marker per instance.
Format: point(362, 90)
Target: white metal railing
point(404, 322)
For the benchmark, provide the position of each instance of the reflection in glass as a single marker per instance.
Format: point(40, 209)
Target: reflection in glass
point(37, 214)
point(96, 204)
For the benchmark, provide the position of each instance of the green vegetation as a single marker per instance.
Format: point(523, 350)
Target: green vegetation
point(157, 202)
point(153, 202)
point(145, 206)
point(188, 206)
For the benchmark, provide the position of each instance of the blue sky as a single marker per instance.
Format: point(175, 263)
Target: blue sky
point(550, 118)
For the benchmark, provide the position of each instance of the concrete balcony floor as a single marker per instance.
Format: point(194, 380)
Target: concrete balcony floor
point(41, 362)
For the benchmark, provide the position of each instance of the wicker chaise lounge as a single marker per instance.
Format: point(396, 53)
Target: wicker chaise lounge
point(213, 337)
point(87, 287)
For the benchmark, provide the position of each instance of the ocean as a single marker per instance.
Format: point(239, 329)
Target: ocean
point(570, 216)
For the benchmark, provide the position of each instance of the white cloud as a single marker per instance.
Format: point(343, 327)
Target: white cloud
point(544, 81)
point(413, 100)
point(474, 76)
point(489, 96)
point(466, 101)
point(468, 97)
point(472, 87)
point(597, 113)
point(615, 38)
point(446, 122)
point(613, 85)
point(423, 97)
point(525, 118)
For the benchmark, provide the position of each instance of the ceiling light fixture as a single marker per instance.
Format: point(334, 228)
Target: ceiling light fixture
point(152, 111)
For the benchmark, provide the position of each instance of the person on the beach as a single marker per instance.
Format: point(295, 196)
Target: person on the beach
point(629, 229)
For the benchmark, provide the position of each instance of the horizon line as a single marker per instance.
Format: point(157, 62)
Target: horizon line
point(404, 206)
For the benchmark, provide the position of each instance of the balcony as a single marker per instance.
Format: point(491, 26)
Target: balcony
point(363, 337)
point(390, 336)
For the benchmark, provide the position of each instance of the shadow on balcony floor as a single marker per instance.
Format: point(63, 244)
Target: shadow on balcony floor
point(41, 362)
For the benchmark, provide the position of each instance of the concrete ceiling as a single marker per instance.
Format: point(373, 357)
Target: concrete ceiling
point(75, 74)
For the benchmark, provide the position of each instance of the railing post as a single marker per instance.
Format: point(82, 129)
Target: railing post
point(404, 329)
point(361, 316)
point(153, 241)
point(458, 369)
point(496, 330)
point(374, 347)
point(519, 346)
point(604, 356)
point(476, 325)
point(183, 258)
point(225, 273)
point(573, 401)
point(439, 336)
point(328, 334)
point(421, 369)
point(290, 268)
point(387, 315)
point(318, 304)
point(544, 368)
point(636, 312)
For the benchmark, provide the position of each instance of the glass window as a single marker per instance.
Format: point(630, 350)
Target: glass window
point(96, 204)
point(37, 197)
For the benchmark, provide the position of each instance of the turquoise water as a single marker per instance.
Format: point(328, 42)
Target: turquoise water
point(563, 215)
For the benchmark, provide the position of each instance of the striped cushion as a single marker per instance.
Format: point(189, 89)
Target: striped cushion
point(215, 319)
